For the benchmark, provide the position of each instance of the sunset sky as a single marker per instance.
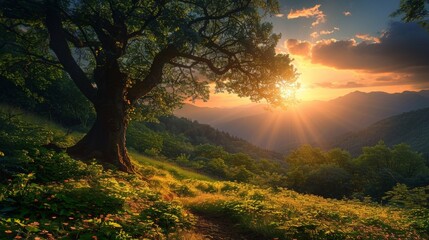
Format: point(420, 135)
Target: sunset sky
point(341, 46)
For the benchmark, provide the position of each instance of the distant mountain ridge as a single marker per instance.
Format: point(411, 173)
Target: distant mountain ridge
point(411, 128)
point(318, 123)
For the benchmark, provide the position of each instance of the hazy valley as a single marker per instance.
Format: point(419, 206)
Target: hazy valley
point(319, 123)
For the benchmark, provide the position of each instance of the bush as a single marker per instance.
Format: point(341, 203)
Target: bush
point(413, 198)
point(169, 216)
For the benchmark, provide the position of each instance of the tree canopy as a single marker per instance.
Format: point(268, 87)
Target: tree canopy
point(149, 54)
point(414, 11)
point(159, 45)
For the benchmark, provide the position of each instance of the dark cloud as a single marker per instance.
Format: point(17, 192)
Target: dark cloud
point(296, 47)
point(404, 50)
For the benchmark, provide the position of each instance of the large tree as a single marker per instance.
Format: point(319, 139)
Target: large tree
point(124, 54)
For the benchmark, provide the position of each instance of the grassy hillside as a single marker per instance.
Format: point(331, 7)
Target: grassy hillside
point(198, 133)
point(206, 150)
point(173, 169)
point(411, 128)
point(45, 194)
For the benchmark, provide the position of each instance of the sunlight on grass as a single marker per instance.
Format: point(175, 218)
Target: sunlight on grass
point(285, 214)
point(175, 170)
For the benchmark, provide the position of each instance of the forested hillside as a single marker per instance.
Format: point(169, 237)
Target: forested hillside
point(198, 133)
point(411, 128)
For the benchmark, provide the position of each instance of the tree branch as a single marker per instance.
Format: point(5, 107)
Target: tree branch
point(58, 44)
point(219, 17)
point(208, 63)
point(149, 20)
point(155, 74)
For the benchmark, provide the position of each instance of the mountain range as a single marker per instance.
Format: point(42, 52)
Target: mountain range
point(320, 123)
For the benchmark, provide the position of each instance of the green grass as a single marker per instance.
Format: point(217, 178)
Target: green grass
point(177, 171)
point(61, 136)
point(57, 197)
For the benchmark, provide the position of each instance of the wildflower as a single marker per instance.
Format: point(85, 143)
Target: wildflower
point(8, 231)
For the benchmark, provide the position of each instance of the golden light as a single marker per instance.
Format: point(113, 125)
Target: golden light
point(289, 90)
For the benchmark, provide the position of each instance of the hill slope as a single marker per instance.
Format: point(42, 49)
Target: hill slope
point(52, 196)
point(411, 128)
point(198, 133)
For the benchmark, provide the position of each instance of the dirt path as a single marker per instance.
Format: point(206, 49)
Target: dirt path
point(219, 228)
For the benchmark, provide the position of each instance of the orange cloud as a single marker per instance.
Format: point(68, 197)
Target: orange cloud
point(392, 58)
point(367, 37)
point(313, 12)
point(314, 35)
point(296, 47)
point(323, 32)
point(391, 53)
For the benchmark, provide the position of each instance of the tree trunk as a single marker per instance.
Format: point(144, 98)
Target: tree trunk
point(106, 139)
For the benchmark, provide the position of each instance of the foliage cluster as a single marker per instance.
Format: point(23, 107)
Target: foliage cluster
point(46, 194)
point(336, 174)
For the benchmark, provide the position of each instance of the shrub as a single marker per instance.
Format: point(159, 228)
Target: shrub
point(169, 216)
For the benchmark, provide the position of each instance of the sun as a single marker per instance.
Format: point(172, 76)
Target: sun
point(289, 90)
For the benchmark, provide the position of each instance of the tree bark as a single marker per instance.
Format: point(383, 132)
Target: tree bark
point(106, 139)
